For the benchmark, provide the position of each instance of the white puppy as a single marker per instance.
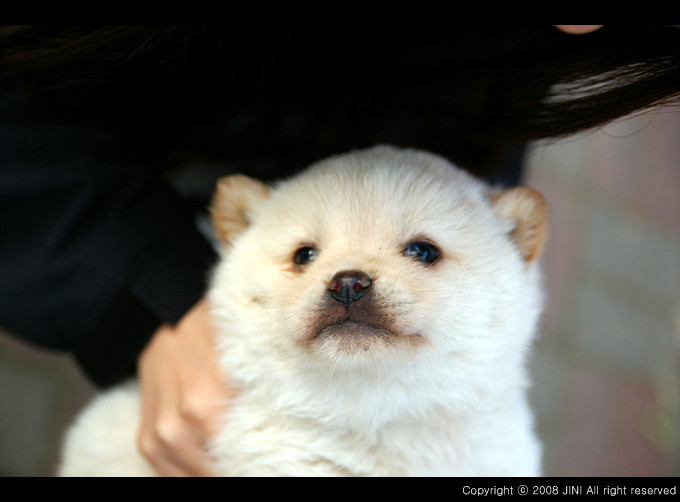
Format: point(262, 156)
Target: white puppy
point(375, 314)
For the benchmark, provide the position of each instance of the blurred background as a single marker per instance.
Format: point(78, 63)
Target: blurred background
point(606, 379)
point(606, 366)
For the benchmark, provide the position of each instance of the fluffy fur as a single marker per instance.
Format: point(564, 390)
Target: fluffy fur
point(423, 373)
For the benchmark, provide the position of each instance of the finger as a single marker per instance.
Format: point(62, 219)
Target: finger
point(578, 29)
point(169, 462)
point(185, 417)
point(185, 459)
point(173, 448)
point(202, 404)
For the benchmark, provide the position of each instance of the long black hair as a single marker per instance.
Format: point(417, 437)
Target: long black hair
point(457, 91)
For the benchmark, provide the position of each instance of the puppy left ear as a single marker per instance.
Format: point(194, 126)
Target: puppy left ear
point(527, 209)
point(235, 198)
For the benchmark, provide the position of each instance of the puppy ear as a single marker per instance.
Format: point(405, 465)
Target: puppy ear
point(234, 200)
point(528, 210)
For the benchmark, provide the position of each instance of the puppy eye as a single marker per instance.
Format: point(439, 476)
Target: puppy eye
point(305, 255)
point(423, 252)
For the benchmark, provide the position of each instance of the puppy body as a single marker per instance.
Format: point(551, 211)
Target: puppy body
point(374, 315)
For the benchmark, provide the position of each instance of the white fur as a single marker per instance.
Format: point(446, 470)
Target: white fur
point(451, 403)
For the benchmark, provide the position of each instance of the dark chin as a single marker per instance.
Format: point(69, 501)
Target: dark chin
point(354, 332)
point(354, 337)
point(357, 328)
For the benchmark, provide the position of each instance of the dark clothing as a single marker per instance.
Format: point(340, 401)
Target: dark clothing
point(96, 250)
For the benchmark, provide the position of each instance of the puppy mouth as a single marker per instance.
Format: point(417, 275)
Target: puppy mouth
point(350, 336)
point(357, 329)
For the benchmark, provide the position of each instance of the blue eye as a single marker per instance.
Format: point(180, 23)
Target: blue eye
point(305, 255)
point(423, 252)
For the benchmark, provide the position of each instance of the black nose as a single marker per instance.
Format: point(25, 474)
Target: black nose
point(349, 286)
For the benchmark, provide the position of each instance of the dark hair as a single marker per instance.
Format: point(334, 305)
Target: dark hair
point(70, 54)
point(429, 87)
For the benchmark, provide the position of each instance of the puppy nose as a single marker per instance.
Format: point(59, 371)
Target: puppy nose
point(349, 286)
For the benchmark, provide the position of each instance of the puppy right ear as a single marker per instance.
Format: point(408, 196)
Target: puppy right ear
point(233, 204)
point(527, 209)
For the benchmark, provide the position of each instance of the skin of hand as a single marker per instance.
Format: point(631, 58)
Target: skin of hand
point(184, 395)
point(578, 29)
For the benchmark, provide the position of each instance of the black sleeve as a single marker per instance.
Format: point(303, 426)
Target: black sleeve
point(95, 250)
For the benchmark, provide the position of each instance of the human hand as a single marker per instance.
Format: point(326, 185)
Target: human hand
point(183, 395)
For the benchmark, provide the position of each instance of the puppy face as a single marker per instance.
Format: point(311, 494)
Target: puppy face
point(377, 259)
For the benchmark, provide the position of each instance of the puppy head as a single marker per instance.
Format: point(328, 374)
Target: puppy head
point(375, 259)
